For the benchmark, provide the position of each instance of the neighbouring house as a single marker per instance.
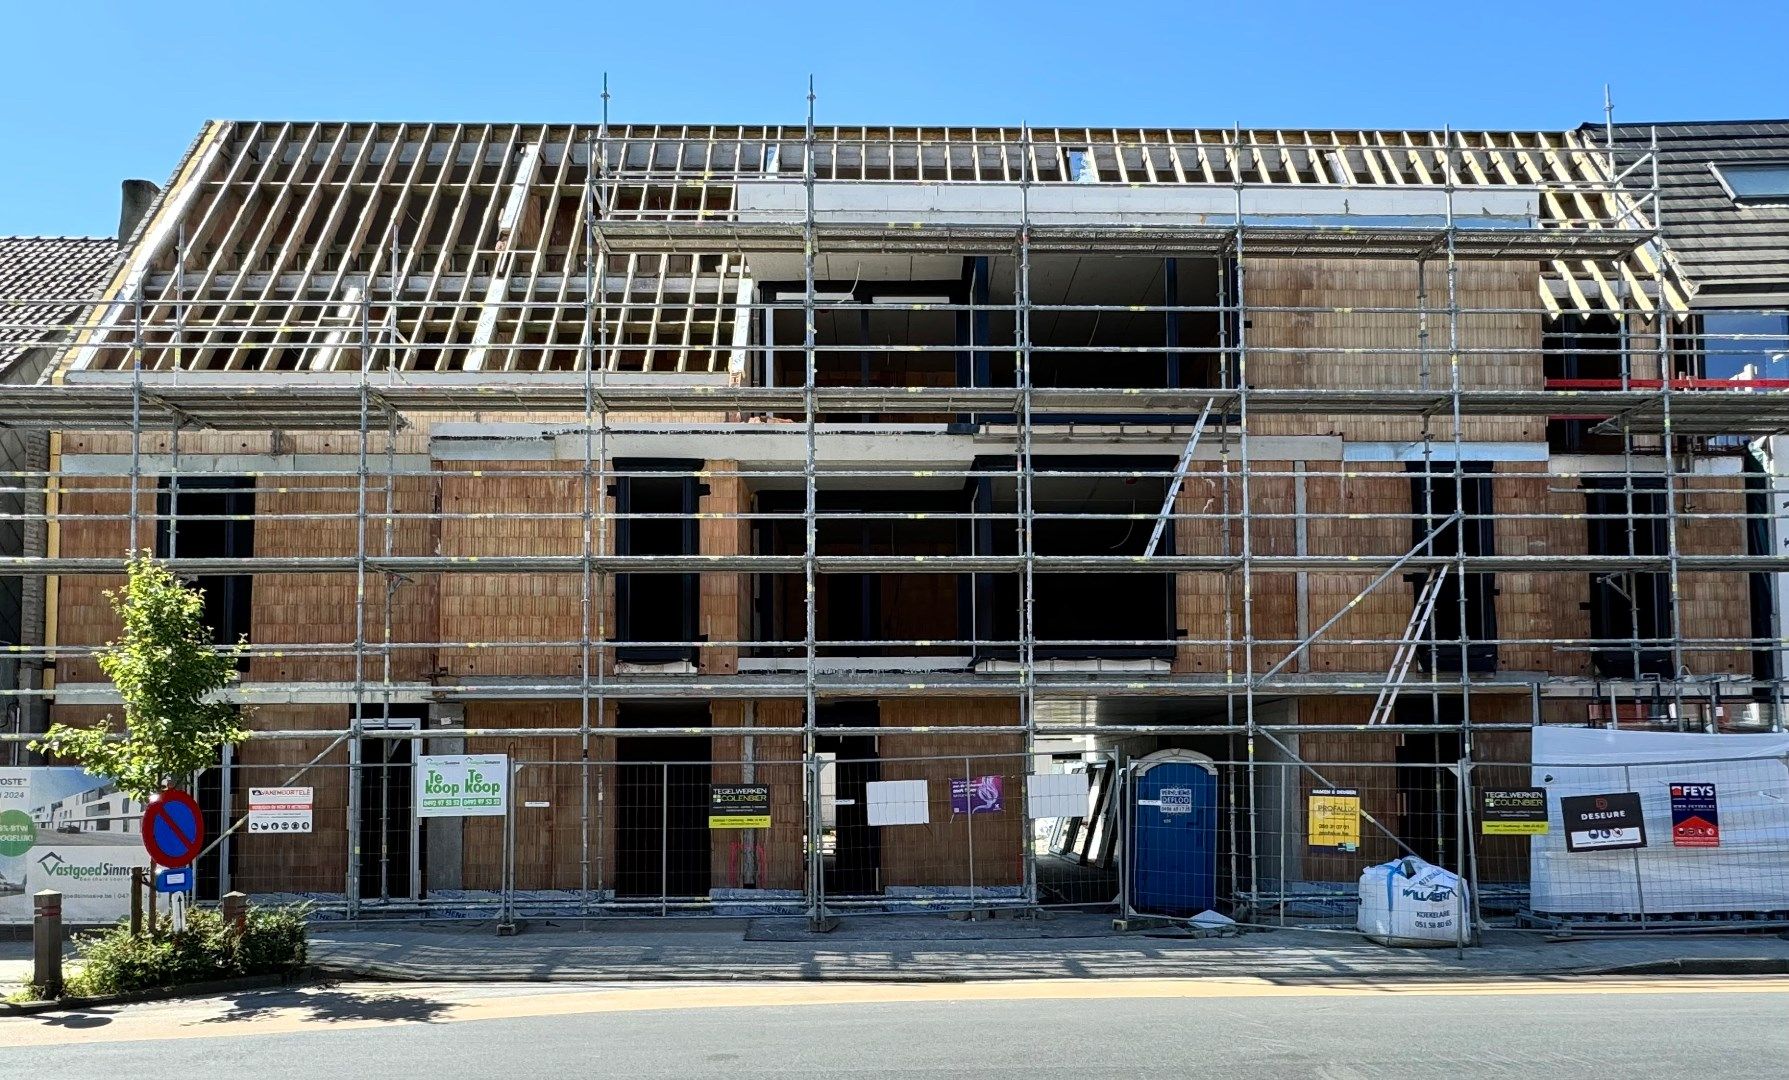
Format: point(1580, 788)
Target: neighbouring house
point(46, 283)
point(1723, 209)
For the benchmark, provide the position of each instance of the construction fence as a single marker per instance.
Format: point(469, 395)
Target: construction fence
point(1274, 841)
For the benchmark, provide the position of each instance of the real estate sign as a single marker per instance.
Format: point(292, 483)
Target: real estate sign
point(462, 785)
point(67, 830)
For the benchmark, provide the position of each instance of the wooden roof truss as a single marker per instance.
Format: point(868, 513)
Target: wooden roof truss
point(467, 247)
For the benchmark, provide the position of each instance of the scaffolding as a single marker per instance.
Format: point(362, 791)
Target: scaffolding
point(633, 301)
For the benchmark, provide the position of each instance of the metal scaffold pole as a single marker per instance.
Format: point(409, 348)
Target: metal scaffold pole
point(816, 866)
point(1668, 450)
point(1241, 319)
point(1027, 507)
point(603, 582)
point(1465, 854)
point(357, 718)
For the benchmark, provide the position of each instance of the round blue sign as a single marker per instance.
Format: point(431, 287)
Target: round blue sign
point(173, 829)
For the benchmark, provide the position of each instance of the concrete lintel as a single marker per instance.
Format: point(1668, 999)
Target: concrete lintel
point(1000, 203)
point(118, 465)
point(893, 445)
point(495, 381)
point(1443, 450)
point(299, 693)
point(1605, 464)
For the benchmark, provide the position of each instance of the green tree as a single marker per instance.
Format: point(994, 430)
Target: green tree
point(168, 672)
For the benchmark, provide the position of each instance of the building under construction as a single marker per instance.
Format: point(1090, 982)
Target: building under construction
point(663, 457)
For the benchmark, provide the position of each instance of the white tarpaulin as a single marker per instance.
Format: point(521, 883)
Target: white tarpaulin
point(1747, 872)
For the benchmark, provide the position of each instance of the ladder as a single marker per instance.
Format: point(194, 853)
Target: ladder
point(1186, 461)
point(1420, 617)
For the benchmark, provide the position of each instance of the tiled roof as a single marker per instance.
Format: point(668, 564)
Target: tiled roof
point(1729, 253)
point(42, 281)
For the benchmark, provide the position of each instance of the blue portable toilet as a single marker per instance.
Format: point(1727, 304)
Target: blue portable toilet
point(1174, 833)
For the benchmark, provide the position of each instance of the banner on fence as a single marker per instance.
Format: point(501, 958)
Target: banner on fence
point(68, 830)
point(1334, 819)
point(1695, 816)
point(462, 785)
point(986, 796)
point(279, 809)
point(1608, 822)
point(1514, 812)
point(739, 806)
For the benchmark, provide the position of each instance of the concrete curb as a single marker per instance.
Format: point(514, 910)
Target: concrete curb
point(1692, 965)
point(162, 993)
point(1684, 966)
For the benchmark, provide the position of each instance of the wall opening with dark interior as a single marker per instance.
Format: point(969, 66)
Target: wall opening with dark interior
point(389, 832)
point(1630, 610)
point(656, 515)
point(1583, 351)
point(661, 802)
point(1761, 587)
point(905, 332)
point(856, 612)
point(1428, 792)
point(212, 517)
point(953, 324)
point(1112, 345)
point(851, 846)
point(1434, 497)
point(1081, 506)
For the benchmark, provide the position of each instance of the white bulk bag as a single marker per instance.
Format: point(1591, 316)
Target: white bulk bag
point(1411, 902)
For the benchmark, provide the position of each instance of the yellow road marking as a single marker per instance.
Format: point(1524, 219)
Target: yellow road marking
point(211, 1018)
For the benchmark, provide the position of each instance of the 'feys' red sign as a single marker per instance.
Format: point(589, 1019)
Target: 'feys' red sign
point(1695, 816)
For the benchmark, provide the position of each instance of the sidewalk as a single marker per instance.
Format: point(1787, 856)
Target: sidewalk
point(928, 949)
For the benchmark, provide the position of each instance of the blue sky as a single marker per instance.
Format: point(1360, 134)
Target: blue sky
point(95, 91)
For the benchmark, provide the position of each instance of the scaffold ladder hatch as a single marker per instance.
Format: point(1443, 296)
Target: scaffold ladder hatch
point(1420, 617)
point(1174, 482)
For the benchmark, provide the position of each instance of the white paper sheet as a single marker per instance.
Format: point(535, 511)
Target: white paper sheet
point(898, 802)
point(1049, 795)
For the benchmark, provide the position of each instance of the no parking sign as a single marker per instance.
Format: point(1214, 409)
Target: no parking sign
point(173, 829)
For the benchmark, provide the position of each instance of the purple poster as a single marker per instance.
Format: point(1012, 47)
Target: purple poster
point(985, 796)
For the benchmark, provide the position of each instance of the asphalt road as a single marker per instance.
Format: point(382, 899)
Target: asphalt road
point(1243, 1029)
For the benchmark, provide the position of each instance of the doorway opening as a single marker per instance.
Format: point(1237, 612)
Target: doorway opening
point(851, 847)
point(390, 840)
point(1428, 791)
point(662, 846)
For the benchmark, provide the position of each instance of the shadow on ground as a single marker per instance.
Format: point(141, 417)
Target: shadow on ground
point(325, 1005)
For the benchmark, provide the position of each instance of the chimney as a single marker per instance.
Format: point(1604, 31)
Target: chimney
point(138, 196)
